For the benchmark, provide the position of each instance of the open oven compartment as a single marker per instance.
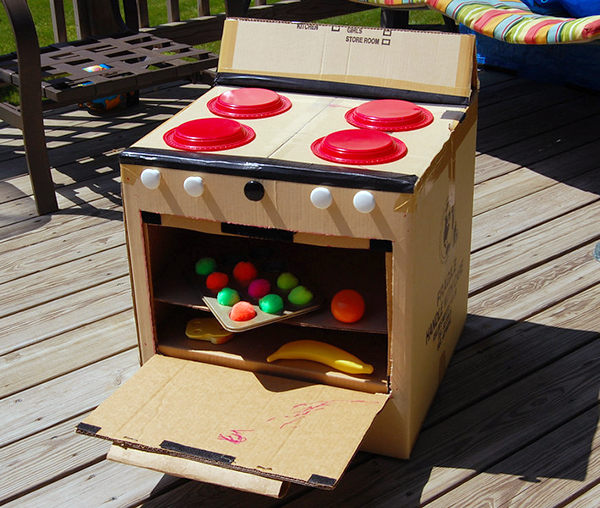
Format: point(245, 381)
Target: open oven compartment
point(176, 298)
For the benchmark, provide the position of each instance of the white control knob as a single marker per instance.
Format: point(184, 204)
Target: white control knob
point(321, 197)
point(194, 186)
point(150, 178)
point(364, 201)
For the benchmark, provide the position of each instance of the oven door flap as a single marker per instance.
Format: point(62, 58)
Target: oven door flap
point(235, 421)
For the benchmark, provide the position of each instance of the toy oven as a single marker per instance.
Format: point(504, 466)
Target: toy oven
point(221, 412)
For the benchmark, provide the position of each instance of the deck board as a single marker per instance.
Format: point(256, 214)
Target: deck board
point(515, 421)
point(56, 400)
point(64, 452)
point(31, 290)
point(489, 266)
point(545, 478)
point(47, 360)
point(519, 183)
point(478, 372)
point(529, 211)
point(74, 311)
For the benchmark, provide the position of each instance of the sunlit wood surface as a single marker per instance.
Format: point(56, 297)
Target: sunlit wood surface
point(516, 418)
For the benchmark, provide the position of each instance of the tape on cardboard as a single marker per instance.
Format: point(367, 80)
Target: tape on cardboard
point(205, 455)
point(405, 205)
point(315, 480)
point(281, 235)
point(318, 87)
point(86, 428)
point(272, 169)
point(380, 245)
point(151, 218)
point(321, 481)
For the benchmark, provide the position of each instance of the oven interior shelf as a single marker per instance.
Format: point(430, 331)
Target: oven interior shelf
point(177, 299)
point(249, 350)
point(178, 288)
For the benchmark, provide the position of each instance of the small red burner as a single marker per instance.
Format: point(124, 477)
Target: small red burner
point(249, 103)
point(360, 146)
point(209, 134)
point(389, 115)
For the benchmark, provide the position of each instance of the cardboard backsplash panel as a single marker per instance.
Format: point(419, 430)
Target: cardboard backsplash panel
point(419, 61)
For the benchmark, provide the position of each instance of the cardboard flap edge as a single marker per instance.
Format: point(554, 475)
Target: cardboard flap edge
point(199, 471)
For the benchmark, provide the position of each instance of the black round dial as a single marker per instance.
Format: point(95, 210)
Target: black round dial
point(254, 190)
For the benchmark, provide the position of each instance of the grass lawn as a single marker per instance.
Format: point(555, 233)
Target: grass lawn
point(157, 12)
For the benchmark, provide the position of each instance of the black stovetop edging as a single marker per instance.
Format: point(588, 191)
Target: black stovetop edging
point(336, 89)
point(271, 169)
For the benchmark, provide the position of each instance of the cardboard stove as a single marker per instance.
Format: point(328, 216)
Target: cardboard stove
point(343, 155)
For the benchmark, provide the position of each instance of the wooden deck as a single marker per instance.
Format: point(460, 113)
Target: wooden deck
point(515, 422)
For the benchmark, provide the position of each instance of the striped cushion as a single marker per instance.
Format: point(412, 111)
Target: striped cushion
point(395, 3)
point(512, 21)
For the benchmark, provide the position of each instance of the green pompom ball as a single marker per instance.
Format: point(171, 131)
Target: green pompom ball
point(287, 281)
point(228, 297)
point(300, 296)
point(205, 266)
point(271, 304)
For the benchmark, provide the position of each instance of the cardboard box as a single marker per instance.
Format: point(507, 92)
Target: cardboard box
point(220, 412)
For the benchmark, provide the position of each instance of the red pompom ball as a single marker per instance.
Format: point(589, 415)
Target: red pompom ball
point(217, 281)
point(244, 272)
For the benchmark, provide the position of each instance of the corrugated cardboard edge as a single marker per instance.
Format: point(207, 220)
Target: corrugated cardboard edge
point(143, 344)
point(199, 471)
point(443, 159)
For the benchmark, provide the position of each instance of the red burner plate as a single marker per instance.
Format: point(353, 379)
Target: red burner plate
point(209, 134)
point(360, 146)
point(389, 115)
point(249, 103)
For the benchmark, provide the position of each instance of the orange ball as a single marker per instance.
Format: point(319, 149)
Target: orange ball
point(348, 306)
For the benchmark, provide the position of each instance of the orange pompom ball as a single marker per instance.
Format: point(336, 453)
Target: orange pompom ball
point(348, 306)
point(242, 311)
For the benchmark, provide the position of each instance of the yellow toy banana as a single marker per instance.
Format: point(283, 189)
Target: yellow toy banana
point(323, 353)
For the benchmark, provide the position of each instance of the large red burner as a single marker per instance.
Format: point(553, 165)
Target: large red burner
point(209, 134)
point(359, 147)
point(389, 115)
point(249, 103)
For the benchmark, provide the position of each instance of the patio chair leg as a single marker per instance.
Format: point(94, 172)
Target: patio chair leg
point(38, 163)
point(394, 18)
point(450, 24)
point(36, 152)
point(29, 117)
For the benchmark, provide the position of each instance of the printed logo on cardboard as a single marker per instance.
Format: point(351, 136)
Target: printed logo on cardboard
point(449, 232)
point(440, 323)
